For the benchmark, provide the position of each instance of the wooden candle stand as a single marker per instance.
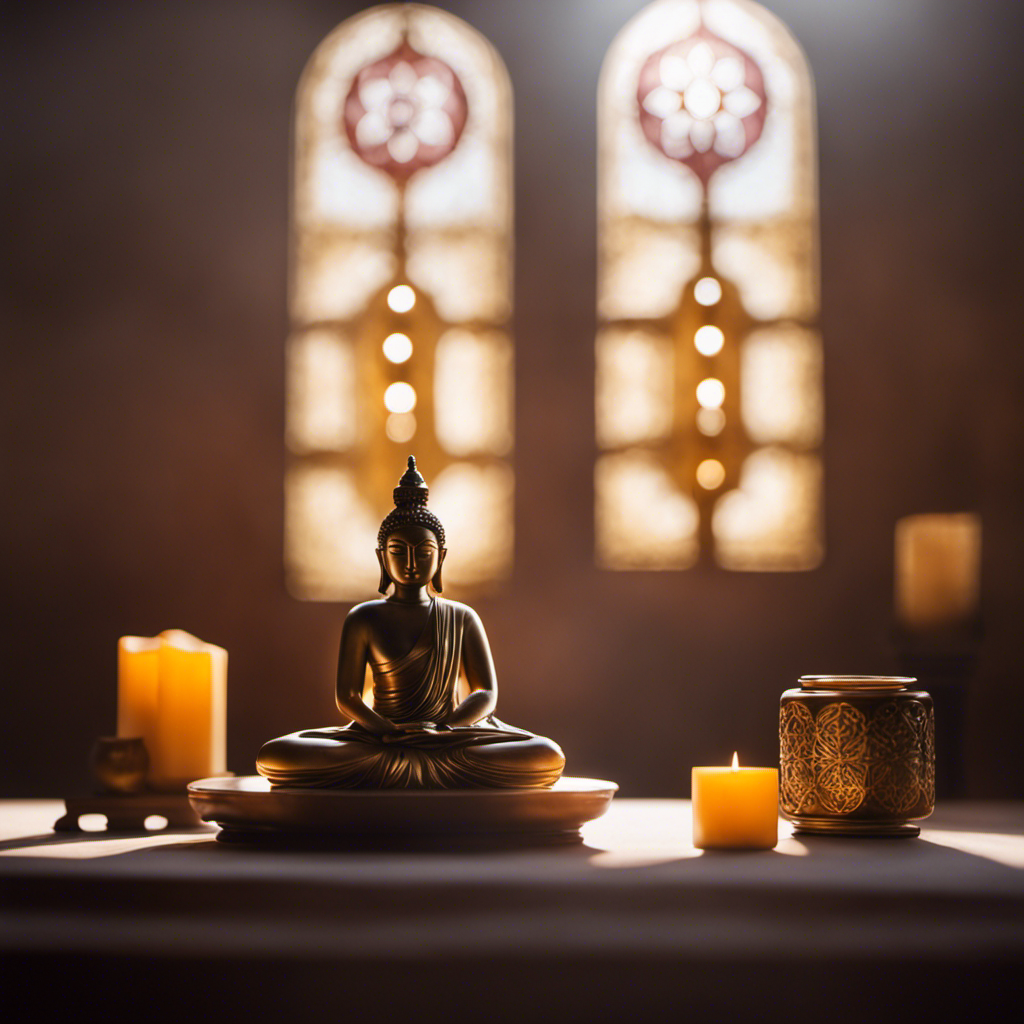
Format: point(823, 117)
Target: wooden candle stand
point(128, 812)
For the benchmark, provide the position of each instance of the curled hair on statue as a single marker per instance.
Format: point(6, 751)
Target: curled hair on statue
point(410, 497)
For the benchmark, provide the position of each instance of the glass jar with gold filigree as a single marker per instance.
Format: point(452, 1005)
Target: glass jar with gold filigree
point(857, 755)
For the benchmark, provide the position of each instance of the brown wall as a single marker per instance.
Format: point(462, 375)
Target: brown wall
point(149, 183)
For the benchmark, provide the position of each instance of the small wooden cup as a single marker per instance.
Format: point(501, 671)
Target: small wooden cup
point(120, 763)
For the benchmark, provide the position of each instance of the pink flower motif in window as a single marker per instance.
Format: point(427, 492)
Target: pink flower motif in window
point(405, 112)
point(702, 102)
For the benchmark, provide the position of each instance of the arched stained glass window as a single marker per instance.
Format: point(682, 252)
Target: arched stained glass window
point(400, 296)
point(709, 393)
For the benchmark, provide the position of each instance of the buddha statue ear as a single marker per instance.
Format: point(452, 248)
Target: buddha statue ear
point(385, 579)
point(436, 581)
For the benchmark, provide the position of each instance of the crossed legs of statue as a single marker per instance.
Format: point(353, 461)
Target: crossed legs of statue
point(333, 757)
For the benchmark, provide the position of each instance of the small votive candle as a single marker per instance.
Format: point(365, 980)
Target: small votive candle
point(735, 808)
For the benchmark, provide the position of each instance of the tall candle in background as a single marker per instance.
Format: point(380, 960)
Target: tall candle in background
point(172, 691)
point(138, 675)
point(938, 564)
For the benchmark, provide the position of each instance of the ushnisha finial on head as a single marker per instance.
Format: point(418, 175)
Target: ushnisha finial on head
point(410, 497)
point(412, 489)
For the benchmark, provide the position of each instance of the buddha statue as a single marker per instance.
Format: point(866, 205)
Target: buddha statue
point(417, 735)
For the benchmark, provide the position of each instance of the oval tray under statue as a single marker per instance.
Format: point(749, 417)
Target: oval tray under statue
point(248, 810)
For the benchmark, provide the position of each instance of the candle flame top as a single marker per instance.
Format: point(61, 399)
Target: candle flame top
point(735, 761)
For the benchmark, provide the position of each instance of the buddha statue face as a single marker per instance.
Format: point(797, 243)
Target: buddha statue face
point(412, 557)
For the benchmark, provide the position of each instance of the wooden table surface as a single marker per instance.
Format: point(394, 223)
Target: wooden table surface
point(635, 924)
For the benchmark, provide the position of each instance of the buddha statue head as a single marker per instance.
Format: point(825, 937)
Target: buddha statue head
point(417, 533)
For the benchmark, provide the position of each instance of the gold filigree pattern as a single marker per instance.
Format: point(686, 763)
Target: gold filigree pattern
point(796, 740)
point(897, 755)
point(928, 766)
point(838, 759)
point(840, 739)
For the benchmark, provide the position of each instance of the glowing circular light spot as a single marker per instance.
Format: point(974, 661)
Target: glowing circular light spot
point(710, 392)
point(397, 348)
point(400, 397)
point(400, 427)
point(155, 822)
point(401, 298)
point(709, 340)
point(710, 474)
point(707, 291)
point(710, 422)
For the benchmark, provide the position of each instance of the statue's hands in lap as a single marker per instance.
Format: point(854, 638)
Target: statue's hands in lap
point(403, 730)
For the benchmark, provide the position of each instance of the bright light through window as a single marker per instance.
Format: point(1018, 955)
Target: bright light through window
point(401, 231)
point(400, 397)
point(401, 298)
point(708, 241)
point(707, 291)
point(397, 348)
point(709, 340)
point(711, 393)
point(710, 474)
point(710, 422)
point(400, 427)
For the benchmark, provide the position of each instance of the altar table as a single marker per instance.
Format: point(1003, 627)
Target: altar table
point(634, 925)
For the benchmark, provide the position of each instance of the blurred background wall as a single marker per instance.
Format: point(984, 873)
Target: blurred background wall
point(147, 178)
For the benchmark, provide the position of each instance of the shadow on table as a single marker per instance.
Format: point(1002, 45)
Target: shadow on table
point(113, 844)
point(256, 844)
point(49, 840)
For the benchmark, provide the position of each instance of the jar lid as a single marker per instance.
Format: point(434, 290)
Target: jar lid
point(863, 683)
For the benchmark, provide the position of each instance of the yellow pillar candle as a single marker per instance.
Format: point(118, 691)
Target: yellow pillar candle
point(138, 675)
point(938, 562)
point(735, 807)
point(172, 691)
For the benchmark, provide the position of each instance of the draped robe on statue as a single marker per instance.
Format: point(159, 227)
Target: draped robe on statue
point(421, 686)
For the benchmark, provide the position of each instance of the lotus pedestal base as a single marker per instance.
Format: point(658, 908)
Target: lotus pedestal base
point(248, 810)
